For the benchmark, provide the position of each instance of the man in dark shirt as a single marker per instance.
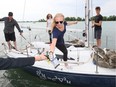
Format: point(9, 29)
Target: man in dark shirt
point(97, 23)
point(9, 33)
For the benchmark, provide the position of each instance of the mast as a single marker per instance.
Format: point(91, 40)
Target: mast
point(87, 17)
point(24, 10)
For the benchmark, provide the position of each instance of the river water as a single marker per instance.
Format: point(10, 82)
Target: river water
point(20, 78)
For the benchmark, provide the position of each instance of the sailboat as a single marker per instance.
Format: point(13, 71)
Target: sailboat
point(82, 71)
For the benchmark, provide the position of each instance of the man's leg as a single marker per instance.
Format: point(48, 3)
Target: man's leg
point(98, 37)
point(99, 42)
point(13, 38)
point(15, 45)
point(7, 38)
point(9, 45)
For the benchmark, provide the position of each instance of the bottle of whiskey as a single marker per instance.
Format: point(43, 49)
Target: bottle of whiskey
point(52, 59)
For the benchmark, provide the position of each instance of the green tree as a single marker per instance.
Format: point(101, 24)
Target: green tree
point(79, 19)
point(67, 18)
point(42, 20)
point(104, 18)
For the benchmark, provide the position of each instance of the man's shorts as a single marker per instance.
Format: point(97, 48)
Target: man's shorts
point(10, 36)
point(97, 33)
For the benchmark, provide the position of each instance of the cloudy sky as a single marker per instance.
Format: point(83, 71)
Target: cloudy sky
point(33, 10)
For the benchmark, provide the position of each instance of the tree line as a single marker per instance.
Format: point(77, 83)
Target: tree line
point(105, 18)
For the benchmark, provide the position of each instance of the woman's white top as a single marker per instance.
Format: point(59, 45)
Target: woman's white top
point(49, 22)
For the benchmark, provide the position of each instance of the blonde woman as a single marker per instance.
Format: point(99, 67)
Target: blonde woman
point(49, 20)
point(58, 30)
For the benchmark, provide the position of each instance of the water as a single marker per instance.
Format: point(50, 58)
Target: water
point(20, 78)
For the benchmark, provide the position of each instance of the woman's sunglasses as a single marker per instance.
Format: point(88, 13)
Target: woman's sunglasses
point(57, 22)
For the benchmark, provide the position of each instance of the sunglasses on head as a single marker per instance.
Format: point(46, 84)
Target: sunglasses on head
point(57, 22)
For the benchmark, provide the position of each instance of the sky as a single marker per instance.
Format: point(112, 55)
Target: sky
point(33, 10)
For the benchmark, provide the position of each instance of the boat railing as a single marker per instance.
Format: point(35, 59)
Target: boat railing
point(108, 41)
point(40, 34)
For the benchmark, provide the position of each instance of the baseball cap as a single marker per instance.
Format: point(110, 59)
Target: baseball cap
point(10, 14)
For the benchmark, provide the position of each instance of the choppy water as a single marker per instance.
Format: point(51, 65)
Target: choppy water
point(20, 78)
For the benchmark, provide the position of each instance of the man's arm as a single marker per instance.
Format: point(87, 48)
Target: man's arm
point(17, 26)
point(8, 63)
point(2, 19)
point(98, 24)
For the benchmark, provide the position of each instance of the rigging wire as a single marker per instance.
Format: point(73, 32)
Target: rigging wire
point(76, 15)
point(23, 16)
point(115, 41)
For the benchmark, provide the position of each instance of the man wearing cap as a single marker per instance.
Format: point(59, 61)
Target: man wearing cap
point(9, 32)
